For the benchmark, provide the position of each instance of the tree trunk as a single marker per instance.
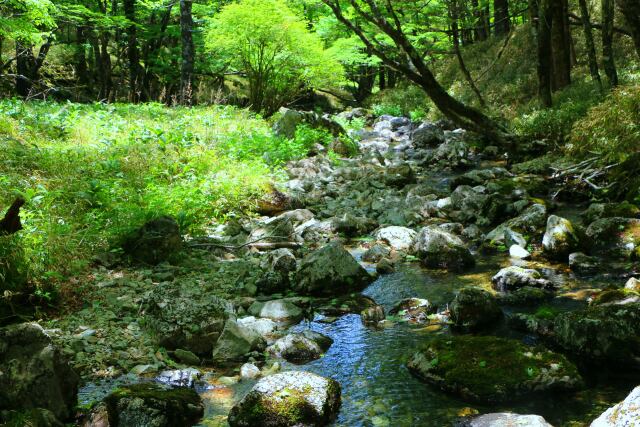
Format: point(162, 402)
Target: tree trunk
point(454, 14)
point(28, 66)
point(544, 52)
point(133, 55)
point(608, 12)
point(382, 79)
point(501, 17)
point(188, 53)
point(478, 21)
point(631, 11)
point(591, 47)
point(560, 45)
point(82, 72)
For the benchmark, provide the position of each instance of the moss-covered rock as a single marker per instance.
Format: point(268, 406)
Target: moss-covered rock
point(235, 343)
point(614, 237)
point(414, 310)
point(152, 405)
point(597, 211)
point(301, 347)
point(156, 241)
point(560, 238)
point(473, 309)
point(526, 296)
point(288, 399)
point(491, 369)
point(440, 249)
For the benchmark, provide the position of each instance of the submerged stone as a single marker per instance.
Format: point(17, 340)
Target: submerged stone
point(288, 399)
point(492, 370)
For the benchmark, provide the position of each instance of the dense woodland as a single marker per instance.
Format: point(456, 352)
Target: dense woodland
point(221, 212)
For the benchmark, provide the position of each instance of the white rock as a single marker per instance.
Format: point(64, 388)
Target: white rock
point(263, 327)
point(399, 238)
point(508, 419)
point(633, 284)
point(249, 371)
point(517, 251)
point(624, 414)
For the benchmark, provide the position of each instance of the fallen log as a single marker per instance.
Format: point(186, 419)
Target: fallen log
point(11, 224)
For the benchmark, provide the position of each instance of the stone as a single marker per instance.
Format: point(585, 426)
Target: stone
point(514, 238)
point(353, 226)
point(414, 310)
point(385, 266)
point(287, 123)
point(506, 419)
point(614, 237)
point(186, 357)
point(560, 239)
point(398, 238)
point(583, 264)
point(179, 377)
point(598, 211)
point(427, 135)
point(277, 266)
point(300, 347)
point(34, 373)
point(277, 310)
point(526, 296)
point(518, 252)
point(439, 249)
point(152, 405)
point(491, 370)
point(249, 371)
point(155, 242)
point(372, 315)
point(291, 398)
point(473, 309)
point(511, 278)
point(330, 270)
point(624, 414)
point(375, 253)
point(235, 343)
point(633, 284)
point(262, 327)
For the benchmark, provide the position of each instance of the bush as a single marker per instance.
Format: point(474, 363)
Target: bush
point(400, 101)
point(611, 129)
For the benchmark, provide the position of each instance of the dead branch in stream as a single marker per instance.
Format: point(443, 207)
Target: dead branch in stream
point(587, 173)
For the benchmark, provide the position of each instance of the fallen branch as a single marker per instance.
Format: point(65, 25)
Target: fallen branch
point(11, 224)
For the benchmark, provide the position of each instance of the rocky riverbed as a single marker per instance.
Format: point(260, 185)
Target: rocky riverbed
point(426, 281)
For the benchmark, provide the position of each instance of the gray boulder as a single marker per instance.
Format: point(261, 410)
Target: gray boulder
point(427, 135)
point(617, 237)
point(560, 239)
point(624, 414)
point(278, 310)
point(473, 309)
point(277, 266)
point(235, 343)
point(511, 278)
point(301, 347)
point(506, 419)
point(439, 249)
point(34, 373)
point(288, 399)
point(398, 238)
point(331, 270)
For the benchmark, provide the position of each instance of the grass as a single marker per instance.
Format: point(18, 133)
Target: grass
point(92, 173)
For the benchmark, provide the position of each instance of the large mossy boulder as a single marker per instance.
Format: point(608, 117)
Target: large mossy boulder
point(492, 370)
point(606, 334)
point(598, 211)
point(560, 239)
point(189, 319)
point(235, 343)
point(440, 249)
point(473, 309)
point(149, 405)
point(331, 270)
point(34, 373)
point(288, 399)
point(614, 237)
point(624, 414)
point(156, 241)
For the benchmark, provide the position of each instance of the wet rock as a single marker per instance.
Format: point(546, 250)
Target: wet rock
point(288, 399)
point(375, 253)
point(277, 310)
point(385, 266)
point(415, 310)
point(492, 370)
point(249, 371)
point(583, 264)
point(506, 419)
point(372, 315)
point(155, 242)
point(179, 377)
point(560, 238)
point(614, 237)
point(399, 175)
point(301, 347)
point(34, 373)
point(518, 252)
point(526, 296)
point(598, 211)
point(604, 333)
point(183, 319)
point(399, 238)
point(186, 357)
point(235, 343)
point(511, 278)
point(624, 414)
point(277, 266)
point(352, 226)
point(150, 405)
point(345, 304)
point(427, 135)
point(330, 270)
point(473, 309)
point(263, 327)
point(439, 249)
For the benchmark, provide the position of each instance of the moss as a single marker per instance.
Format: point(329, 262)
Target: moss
point(491, 369)
point(288, 408)
point(611, 295)
point(546, 312)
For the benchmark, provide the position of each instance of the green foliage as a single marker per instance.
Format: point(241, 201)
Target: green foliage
point(269, 44)
point(92, 173)
point(25, 20)
point(386, 109)
point(308, 136)
point(611, 129)
point(400, 101)
point(13, 266)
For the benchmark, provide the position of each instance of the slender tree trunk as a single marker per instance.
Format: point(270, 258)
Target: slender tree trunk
point(631, 11)
point(501, 17)
point(454, 13)
point(608, 12)
point(478, 21)
point(382, 79)
point(28, 66)
point(133, 54)
point(544, 52)
point(591, 47)
point(82, 72)
point(188, 53)
point(560, 45)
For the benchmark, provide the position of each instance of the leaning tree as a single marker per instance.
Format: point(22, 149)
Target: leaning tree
point(400, 27)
